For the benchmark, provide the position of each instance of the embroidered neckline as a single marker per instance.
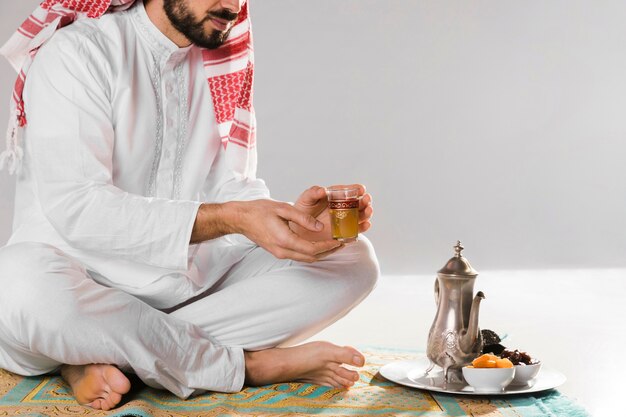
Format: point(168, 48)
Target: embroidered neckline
point(160, 45)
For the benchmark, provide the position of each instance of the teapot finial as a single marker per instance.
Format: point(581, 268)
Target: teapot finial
point(458, 265)
point(458, 249)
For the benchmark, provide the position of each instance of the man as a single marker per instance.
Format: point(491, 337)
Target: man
point(142, 240)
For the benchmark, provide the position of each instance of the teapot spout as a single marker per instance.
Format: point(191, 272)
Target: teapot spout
point(472, 334)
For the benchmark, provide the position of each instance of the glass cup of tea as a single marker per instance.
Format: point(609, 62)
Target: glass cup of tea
point(343, 207)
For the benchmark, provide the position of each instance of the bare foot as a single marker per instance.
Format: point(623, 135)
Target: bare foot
point(315, 362)
point(97, 386)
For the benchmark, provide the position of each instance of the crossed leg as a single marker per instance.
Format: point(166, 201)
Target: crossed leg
point(264, 302)
point(93, 330)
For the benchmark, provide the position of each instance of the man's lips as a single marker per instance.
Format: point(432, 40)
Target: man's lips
point(220, 24)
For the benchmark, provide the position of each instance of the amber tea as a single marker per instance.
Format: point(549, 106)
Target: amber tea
point(343, 205)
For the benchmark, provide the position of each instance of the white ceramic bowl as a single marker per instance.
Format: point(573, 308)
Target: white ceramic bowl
point(525, 374)
point(488, 379)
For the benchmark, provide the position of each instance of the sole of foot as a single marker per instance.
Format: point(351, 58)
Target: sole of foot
point(98, 386)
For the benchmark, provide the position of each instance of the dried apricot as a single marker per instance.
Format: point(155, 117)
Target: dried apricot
point(485, 361)
point(504, 363)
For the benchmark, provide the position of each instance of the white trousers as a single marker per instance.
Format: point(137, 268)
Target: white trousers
point(53, 311)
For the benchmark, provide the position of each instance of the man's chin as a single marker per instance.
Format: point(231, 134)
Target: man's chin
point(208, 45)
point(214, 41)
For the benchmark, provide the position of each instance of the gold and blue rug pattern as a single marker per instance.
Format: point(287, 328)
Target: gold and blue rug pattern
point(372, 395)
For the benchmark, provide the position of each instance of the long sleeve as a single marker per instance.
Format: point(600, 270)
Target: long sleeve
point(71, 136)
point(223, 185)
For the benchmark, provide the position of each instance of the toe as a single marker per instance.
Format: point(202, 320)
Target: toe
point(114, 399)
point(350, 356)
point(343, 382)
point(347, 374)
point(116, 379)
point(326, 381)
point(334, 384)
point(95, 404)
point(110, 403)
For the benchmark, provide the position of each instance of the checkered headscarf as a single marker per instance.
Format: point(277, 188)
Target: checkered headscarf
point(229, 70)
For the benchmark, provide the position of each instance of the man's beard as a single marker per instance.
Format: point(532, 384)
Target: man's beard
point(184, 22)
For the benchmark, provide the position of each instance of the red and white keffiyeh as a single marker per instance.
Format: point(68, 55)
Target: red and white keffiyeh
point(229, 71)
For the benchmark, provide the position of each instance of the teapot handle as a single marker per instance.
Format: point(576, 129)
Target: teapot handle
point(437, 291)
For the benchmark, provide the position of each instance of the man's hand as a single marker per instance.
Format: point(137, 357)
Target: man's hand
point(265, 222)
point(314, 202)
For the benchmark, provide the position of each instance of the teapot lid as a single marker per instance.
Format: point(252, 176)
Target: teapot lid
point(458, 265)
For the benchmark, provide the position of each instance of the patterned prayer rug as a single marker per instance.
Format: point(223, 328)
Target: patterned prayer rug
point(371, 396)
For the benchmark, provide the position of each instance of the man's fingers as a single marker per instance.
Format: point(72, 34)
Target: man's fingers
point(365, 202)
point(330, 252)
point(364, 227)
point(283, 253)
point(307, 221)
point(305, 247)
point(288, 240)
point(312, 196)
point(366, 214)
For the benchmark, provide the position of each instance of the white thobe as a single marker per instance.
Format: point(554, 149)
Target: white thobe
point(121, 148)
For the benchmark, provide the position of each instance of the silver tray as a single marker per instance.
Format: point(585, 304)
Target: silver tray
point(412, 374)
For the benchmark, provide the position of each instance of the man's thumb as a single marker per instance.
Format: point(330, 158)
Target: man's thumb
point(313, 195)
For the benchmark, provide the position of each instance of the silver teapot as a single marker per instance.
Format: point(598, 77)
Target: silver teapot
point(454, 339)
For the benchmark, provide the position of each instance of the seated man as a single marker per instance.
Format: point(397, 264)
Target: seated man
point(142, 240)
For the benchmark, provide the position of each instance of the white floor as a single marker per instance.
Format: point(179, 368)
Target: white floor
point(574, 321)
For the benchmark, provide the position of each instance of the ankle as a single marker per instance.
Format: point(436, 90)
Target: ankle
point(252, 367)
point(263, 366)
point(71, 373)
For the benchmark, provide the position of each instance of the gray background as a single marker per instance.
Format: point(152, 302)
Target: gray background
point(496, 122)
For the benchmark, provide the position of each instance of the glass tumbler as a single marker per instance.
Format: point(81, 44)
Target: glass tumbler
point(343, 207)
